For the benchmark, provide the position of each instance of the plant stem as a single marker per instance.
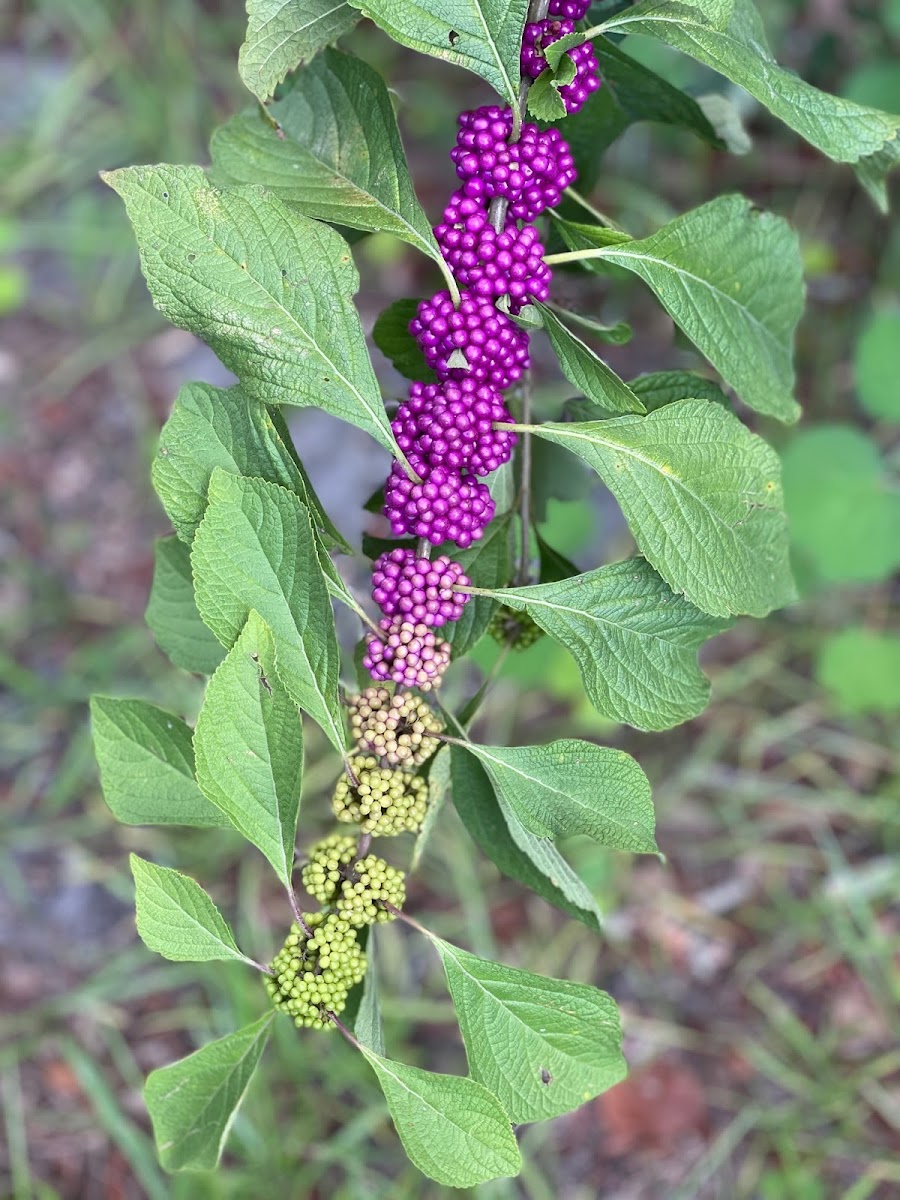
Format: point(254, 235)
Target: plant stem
point(595, 212)
point(362, 847)
point(523, 572)
point(398, 912)
point(298, 915)
point(259, 966)
point(423, 548)
point(344, 1030)
point(573, 256)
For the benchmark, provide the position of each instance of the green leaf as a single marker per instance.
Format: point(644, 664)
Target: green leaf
point(438, 787)
point(332, 148)
point(269, 290)
point(193, 1102)
point(725, 117)
point(332, 538)
point(542, 1046)
point(571, 787)
point(578, 235)
point(664, 387)
point(877, 365)
point(532, 861)
point(172, 611)
point(841, 129)
point(222, 427)
point(634, 640)
point(844, 510)
point(146, 761)
point(702, 496)
point(586, 370)
point(861, 669)
point(544, 101)
point(176, 918)
point(452, 1128)
point(392, 337)
point(488, 564)
point(484, 36)
point(255, 549)
point(283, 34)
point(731, 278)
point(249, 747)
point(617, 335)
point(368, 1027)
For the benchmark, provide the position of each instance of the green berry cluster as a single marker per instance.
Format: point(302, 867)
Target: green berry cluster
point(323, 874)
point(372, 880)
point(383, 801)
point(515, 629)
point(312, 975)
point(399, 728)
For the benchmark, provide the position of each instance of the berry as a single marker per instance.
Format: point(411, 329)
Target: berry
point(540, 34)
point(399, 728)
point(445, 506)
point(409, 654)
point(531, 174)
point(383, 801)
point(451, 424)
point(491, 264)
point(420, 589)
point(515, 629)
point(372, 884)
point(473, 341)
point(322, 874)
point(312, 975)
point(572, 10)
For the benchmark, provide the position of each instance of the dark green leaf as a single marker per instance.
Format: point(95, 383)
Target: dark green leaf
point(665, 387)
point(392, 337)
point(488, 564)
point(586, 370)
point(368, 1027)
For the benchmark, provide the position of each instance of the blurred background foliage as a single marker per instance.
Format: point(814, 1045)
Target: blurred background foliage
point(757, 969)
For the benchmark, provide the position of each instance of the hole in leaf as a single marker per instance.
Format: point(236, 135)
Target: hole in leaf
point(191, 257)
point(545, 1076)
point(453, 37)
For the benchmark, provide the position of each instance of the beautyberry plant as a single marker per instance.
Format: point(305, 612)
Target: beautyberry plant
point(248, 254)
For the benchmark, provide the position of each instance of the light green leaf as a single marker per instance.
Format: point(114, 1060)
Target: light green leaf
point(172, 611)
point(222, 427)
point(249, 747)
point(844, 509)
point(586, 370)
point(542, 1046)
point(731, 278)
point(283, 34)
point(255, 549)
point(634, 640)
point(269, 290)
point(861, 669)
point(877, 365)
point(452, 1128)
point(176, 918)
point(702, 495)
point(495, 829)
point(368, 1027)
point(484, 36)
point(193, 1102)
point(544, 101)
point(334, 150)
point(578, 235)
point(570, 787)
point(841, 129)
point(146, 761)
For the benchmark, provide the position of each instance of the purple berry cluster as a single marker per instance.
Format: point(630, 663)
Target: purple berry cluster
point(448, 430)
point(541, 34)
point(571, 10)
